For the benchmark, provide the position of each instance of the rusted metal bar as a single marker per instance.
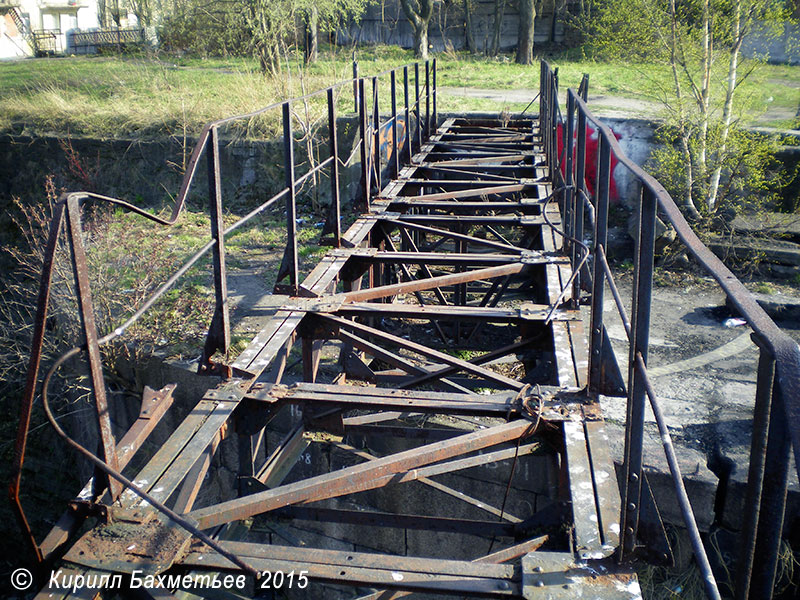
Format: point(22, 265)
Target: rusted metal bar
point(283, 457)
point(32, 377)
point(359, 568)
point(383, 519)
point(421, 403)
point(376, 126)
point(473, 259)
point(567, 196)
point(709, 582)
point(451, 235)
point(219, 332)
point(577, 202)
point(86, 311)
point(773, 500)
point(409, 151)
point(434, 92)
point(195, 477)
point(634, 433)
point(500, 556)
point(755, 477)
point(395, 145)
point(417, 106)
point(418, 295)
point(395, 360)
point(599, 276)
point(431, 282)
point(361, 477)
point(409, 240)
point(503, 515)
point(427, 99)
point(365, 153)
point(335, 212)
point(154, 406)
point(356, 102)
point(526, 312)
point(487, 374)
point(470, 193)
point(601, 255)
point(289, 266)
point(478, 360)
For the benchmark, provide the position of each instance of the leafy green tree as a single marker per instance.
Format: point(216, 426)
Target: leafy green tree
point(701, 42)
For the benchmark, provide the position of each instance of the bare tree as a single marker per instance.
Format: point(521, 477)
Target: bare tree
point(311, 26)
point(469, 37)
point(419, 13)
point(499, 10)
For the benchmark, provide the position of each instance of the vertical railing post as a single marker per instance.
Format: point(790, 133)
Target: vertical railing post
point(291, 200)
point(362, 122)
point(376, 125)
point(755, 476)
point(355, 85)
point(568, 193)
point(599, 274)
point(334, 150)
point(86, 312)
point(416, 105)
point(773, 499)
point(407, 113)
point(395, 145)
point(547, 124)
point(427, 99)
point(640, 334)
point(219, 334)
point(577, 196)
point(553, 133)
point(435, 112)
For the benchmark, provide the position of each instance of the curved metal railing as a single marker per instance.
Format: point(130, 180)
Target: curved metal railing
point(776, 422)
point(67, 214)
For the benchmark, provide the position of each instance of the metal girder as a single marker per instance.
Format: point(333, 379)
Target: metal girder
point(461, 230)
point(358, 478)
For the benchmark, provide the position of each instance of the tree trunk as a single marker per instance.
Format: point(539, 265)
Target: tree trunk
point(727, 112)
point(421, 41)
point(527, 15)
point(311, 45)
point(418, 13)
point(499, 9)
point(469, 38)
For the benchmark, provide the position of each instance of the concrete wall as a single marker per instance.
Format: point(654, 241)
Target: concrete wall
point(782, 47)
point(385, 23)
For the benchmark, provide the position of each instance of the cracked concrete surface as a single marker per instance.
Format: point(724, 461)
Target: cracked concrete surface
point(704, 374)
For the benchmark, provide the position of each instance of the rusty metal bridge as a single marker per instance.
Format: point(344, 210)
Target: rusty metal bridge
point(453, 305)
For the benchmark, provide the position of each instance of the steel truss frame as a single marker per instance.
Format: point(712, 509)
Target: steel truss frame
point(475, 233)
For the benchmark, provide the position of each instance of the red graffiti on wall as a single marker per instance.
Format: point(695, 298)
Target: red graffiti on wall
point(591, 159)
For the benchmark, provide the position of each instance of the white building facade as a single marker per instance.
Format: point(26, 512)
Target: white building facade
point(28, 27)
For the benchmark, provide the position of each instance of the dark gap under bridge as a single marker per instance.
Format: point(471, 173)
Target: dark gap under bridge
point(453, 309)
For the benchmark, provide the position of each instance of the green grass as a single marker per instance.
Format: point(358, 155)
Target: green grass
point(145, 97)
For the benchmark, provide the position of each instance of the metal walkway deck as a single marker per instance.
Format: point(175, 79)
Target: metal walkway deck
point(461, 251)
point(443, 355)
